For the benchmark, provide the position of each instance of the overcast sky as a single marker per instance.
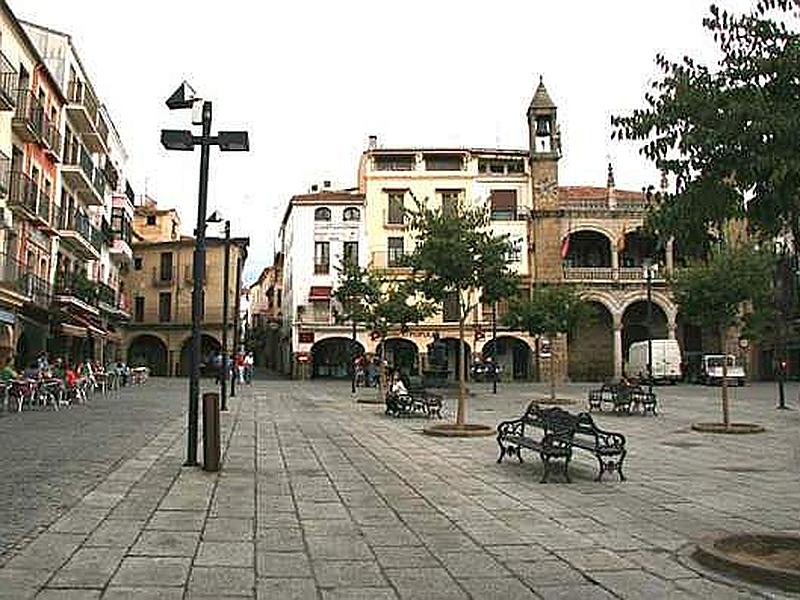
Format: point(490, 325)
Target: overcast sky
point(311, 80)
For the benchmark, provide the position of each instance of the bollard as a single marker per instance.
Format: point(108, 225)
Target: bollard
point(211, 431)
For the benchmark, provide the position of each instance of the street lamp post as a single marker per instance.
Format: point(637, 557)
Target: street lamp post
point(353, 358)
point(184, 97)
point(236, 317)
point(649, 278)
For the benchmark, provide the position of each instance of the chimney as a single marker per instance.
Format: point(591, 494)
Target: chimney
point(314, 188)
point(373, 142)
point(326, 184)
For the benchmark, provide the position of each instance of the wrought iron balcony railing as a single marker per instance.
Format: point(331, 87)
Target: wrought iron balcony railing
point(23, 192)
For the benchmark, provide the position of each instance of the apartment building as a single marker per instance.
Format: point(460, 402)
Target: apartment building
point(318, 231)
point(587, 235)
point(160, 284)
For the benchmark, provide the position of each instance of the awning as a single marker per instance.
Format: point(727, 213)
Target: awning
point(73, 330)
point(319, 293)
point(7, 317)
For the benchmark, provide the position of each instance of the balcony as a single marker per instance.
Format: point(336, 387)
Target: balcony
point(76, 289)
point(76, 234)
point(611, 274)
point(82, 107)
point(5, 174)
point(51, 139)
point(163, 278)
point(78, 172)
point(23, 195)
point(18, 278)
point(28, 117)
point(388, 260)
point(8, 81)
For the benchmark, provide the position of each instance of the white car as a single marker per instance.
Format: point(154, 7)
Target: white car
point(711, 373)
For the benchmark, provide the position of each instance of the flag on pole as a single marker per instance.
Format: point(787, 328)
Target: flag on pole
point(565, 247)
point(621, 240)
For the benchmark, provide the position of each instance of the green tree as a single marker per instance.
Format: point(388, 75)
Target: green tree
point(551, 309)
point(456, 255)
point(728, 133)
point(714, 293)
point(379, 303)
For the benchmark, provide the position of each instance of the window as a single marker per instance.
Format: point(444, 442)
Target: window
point(395, 162)
point(504, 205)
point(165, 274)
point(496, 166)
point(321, 312)
point(164, 307)
point(138, 309)
point(395, 214)
point(322, 258)
point(151, 219)
point(322, 214)
point(351, 214)
point(450, 199)
point(395, 254)
point(444, 162)
point(137, 263)
point(451, 308)
point(350, 253)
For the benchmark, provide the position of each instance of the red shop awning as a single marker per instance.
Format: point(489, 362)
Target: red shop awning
point(319, 293)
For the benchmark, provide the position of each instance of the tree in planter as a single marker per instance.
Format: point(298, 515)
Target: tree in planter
point(382, 305)
point(713, 293)
point(728, 132)
point(457, 257)
point(551, 309)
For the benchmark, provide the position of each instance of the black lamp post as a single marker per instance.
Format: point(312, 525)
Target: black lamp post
point(236, 317)
point(184, 97)
point(648, 266)
point(353, 358)
point(223, 380)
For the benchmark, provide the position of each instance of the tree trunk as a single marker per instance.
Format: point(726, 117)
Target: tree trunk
point(461, 413)
point(552, 369)
point(726, 410)
point(382, 372)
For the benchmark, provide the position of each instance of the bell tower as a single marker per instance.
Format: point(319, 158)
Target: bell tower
point(544, 148)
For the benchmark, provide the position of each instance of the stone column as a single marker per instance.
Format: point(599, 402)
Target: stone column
point(617, 347)
point(669, 251)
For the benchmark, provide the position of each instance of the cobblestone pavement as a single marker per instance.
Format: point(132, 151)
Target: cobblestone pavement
point(323, 498)
point(51, 459)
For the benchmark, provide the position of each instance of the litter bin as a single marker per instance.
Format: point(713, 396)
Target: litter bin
point(211, 451)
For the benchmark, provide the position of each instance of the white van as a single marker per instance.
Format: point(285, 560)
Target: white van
point(666, 361)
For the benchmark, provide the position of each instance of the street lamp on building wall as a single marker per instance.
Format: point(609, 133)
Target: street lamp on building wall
point(236, 141)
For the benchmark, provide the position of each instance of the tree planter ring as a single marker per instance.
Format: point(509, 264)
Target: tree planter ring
point(453, 430)
point(733, 428)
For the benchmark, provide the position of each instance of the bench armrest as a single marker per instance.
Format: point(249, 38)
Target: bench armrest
point(515, 427)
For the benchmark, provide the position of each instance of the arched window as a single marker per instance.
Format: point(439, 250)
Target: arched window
point(322, 214)
point(351, 213)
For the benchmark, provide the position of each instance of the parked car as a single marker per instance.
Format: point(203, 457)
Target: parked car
point(484, 370)
point(711, 370)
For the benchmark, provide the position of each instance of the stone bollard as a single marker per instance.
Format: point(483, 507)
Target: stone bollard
point(211, 441)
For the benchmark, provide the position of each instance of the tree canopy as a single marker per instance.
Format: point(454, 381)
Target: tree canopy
point(727, 133)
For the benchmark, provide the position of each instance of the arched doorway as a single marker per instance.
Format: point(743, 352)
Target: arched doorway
point(401, 353)
point(512, 354)
point(333, 357)
point(591, 347)
point(634, 324)
point(148, 351)
point(588, 249)
point(209, 346)
point(452, 358)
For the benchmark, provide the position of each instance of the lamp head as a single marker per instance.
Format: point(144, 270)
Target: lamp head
point(233, 141)
point(215, 217)
point(183, 97)
point(177, 139)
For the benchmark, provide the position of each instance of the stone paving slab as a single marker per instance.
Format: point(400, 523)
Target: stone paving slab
point(320, 497)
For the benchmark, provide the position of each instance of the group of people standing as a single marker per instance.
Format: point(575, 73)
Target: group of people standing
point(239, 366)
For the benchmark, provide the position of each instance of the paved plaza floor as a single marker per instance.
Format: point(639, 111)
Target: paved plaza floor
point(324, 498)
